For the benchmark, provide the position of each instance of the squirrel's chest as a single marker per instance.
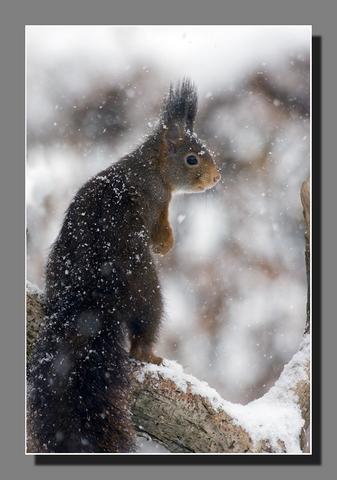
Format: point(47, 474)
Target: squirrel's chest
point(150, 203)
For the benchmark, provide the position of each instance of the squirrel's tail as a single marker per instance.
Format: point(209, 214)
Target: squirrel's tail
point(78, 386)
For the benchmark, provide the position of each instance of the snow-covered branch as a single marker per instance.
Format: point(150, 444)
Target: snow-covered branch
point(186, 415)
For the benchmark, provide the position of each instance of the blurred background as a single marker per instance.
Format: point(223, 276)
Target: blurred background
point(235, 283)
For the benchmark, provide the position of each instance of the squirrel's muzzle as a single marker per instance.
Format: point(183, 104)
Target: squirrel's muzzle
point(216, 178)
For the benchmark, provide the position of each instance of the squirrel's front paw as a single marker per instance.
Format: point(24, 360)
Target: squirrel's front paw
point(163, 244)
point(162, 248)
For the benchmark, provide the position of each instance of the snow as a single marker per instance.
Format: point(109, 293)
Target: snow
point(32, 289)
point(294, 372)
point(181, 218)
point(146, 445)
point(273, 421)
point(275, 417)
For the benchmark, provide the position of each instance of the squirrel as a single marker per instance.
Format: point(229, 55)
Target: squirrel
point(102, 287)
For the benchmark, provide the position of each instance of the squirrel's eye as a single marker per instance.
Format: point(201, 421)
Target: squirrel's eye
point(192, 160)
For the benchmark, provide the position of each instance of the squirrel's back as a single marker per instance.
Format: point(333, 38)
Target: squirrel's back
point(100, 277)
point(102, 234)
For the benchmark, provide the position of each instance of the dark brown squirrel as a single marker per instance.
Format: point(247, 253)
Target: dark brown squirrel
point(101, 284)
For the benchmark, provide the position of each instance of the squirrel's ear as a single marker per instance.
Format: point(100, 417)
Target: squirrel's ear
point(180, 107)
point(172, 134)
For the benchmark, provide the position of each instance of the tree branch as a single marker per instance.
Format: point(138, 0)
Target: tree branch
point(185, 415)
point(305, 199)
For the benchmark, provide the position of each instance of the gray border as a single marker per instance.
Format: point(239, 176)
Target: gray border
point(14, 15)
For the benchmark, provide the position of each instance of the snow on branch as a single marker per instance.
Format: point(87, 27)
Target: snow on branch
point(186, 415)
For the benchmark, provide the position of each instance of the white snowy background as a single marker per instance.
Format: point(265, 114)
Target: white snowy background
point(234, 285)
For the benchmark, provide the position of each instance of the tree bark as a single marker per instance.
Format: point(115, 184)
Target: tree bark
point(305, 198)
point(185, 415)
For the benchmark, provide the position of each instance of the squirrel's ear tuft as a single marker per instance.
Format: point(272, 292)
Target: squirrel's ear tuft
point(180, 105)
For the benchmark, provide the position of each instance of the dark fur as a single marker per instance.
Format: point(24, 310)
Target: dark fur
point(100, 277)
point(101, 283)
point(181, 104)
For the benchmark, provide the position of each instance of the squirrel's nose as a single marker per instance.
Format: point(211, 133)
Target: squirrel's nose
point(216, 178)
